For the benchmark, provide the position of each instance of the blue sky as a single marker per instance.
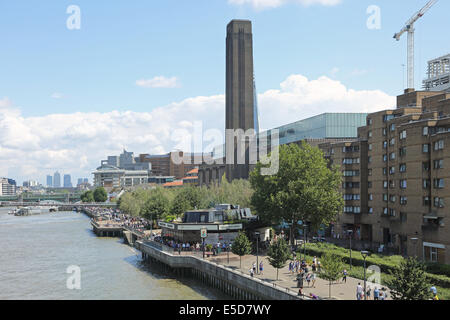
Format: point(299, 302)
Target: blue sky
point(47, 70)
point(95, 68)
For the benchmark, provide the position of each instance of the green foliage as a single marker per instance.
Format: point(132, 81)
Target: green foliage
point(157, 204)
point(87, 197)
point(100, 194)
point(386, 263)
point(303, 189)
point(241, 246)
point(185, 199)
point(332, 267)
point(409, 281)
point(278, 254)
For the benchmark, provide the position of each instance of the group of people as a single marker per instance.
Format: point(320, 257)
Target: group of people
point(254, 267)
point(378, 294)
point(187, 246)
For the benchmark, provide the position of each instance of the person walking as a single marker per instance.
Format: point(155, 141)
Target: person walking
point(313, 280)
point(344, 278)
point(368, 293)
point(359, 291)
point(376, 294)
point(261, 268)
point(308, 279)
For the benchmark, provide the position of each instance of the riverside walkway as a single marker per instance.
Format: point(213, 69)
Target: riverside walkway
point(339, 291)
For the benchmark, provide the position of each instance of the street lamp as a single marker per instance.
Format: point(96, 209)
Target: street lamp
point(364, 255)
point(415, 240)
point(304, 241)
point(350, 232)
point(257, 244)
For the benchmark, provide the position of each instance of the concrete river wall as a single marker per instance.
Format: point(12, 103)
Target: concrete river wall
point(229, 281)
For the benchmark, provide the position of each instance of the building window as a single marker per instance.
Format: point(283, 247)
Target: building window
point(392, 212)
point(392, 199)
point(370, 210)
point(403, 216)
point(392, 156)
point(402, 167)
point(385, 184)
point(370, 147)
point(425, 131)
point(385, 144)
point(426, 201)
point(369, 184)
point(391, 184)
point(439, 183)
point(369, 172)
point(354, 173)
point(426, 183)
point(403, 184)
point(426, 148)
point(369, 159)
point(369, 134)
point(384, 132)
point(332, 151)
point(393, 127)
point(402, 152)
point(438, 164)
point(403, 200)
point(385, 157)
point(369, 121)
point(426, 166)
point(439, 145)
point(392, 142)
point(385, 197)
point(392, 170)
point(385, 211)
point(384, 172)
point(356, 209)
point(370, 197)
point(403, 135)
point(438, 202)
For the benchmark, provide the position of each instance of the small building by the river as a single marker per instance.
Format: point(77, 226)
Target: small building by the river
point(222, 223)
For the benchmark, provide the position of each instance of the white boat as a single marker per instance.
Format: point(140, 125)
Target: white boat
point(31, 211)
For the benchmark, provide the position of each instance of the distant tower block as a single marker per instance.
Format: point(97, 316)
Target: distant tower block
point(438, 74)
point(241, 112)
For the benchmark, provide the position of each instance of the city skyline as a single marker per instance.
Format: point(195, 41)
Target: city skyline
point(65, 124)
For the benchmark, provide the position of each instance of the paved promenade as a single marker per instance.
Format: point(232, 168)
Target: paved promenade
point(339, 291)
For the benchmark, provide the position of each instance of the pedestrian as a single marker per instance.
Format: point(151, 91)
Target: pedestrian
point(291, 267)
point(300, 292)
point(359, 291)
point(313, 280)
point(251, 272)
point(381, 295)
point(254, 267)
point(318, 265)
point(261, 267)
point(368, 293)
point(308, 279)
point(376, 294)
point(344, 278)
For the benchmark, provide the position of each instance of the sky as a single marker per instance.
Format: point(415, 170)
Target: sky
point(140, 74)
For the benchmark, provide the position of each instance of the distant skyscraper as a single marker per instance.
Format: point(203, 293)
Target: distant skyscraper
point(67, 181)
point(80, 181)
point(57, 180)
point(49, 181)
point(86, 180)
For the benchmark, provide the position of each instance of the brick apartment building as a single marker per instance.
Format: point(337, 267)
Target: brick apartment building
point(396, 178)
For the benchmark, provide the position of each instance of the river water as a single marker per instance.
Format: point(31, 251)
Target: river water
point(36, 251)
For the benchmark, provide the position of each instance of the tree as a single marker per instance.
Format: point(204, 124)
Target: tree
point(100, 194)
point(157, 205)
point(278, 254)
point(87, 197)
point(241, 246)
point(332, 267)
point(129, 205)
point(409, 281)
point(304, 188)
point(186, 198)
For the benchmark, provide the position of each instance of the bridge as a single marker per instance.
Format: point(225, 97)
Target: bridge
point(61, 197)
point(57, 204)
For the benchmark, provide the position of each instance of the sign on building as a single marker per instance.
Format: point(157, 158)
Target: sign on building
point(203, 233)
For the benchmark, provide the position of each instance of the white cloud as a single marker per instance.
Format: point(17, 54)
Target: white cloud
point(31, 147)
point(57, 95)
point(268, 4)
point(159, 82)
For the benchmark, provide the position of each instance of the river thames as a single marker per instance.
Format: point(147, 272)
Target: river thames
point(36, 251)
